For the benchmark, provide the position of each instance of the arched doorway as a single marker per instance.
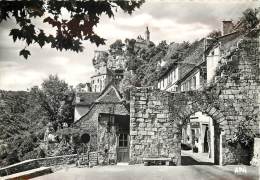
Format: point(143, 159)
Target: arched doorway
point(202, 105)
point(216, 125)
point(198, 140)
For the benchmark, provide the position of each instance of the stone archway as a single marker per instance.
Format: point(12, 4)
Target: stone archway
point(183, 105)
point(156, 118)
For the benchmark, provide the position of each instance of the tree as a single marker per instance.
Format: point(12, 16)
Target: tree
point(116, 47)
point(129, 81)
point(56, 98)
point(70, 32)
point(214, 34)
point(250, 19)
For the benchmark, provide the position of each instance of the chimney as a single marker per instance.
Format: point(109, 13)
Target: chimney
point(227, 27)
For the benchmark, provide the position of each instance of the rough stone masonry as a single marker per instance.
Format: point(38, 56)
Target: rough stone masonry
point(232, 102)
point(152, 132)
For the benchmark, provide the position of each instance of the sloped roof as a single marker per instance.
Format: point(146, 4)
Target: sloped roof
point(229, 40)
point(86, 98)
point(110, 94)
point(173, 48)
point(171, 63)
point(193, 57)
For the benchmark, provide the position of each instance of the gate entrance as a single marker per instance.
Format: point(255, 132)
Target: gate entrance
point(122, 138)
point(198, 140)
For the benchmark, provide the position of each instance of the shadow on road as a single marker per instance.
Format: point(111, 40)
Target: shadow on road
point(187, 160)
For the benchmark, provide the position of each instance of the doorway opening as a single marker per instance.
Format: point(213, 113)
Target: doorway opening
point(122, 131)
point(198, 140)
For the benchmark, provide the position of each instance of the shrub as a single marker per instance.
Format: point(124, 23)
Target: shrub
point(12, 158)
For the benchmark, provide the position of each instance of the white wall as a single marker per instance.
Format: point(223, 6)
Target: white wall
point(198, 83)
point(212, 63)
point(168, 81)
point(100, 82)
point(185, 87)
point(80, 111)
point(203, 119)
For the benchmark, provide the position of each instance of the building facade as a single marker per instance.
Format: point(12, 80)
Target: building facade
point(195, 72)
point(156, 122)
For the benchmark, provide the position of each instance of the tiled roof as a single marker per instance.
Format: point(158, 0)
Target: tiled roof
point(193, 57)
point(173, 49)
point(110, 97)
point(87, 98)
point(229, 40)
point(110, 93)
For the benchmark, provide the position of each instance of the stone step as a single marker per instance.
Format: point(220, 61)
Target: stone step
point(28, 174)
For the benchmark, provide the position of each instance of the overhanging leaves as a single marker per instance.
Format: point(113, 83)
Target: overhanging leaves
point(25, 53)
point(83, 16)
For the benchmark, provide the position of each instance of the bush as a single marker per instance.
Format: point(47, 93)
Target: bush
point(27, 145)
point(3, 151)
point(12, 158)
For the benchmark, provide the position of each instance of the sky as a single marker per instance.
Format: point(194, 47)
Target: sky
point(173, 21)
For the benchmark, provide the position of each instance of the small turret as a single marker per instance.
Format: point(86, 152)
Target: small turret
point(147, 34)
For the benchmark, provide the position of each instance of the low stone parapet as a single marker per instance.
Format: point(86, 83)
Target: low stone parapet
point(44, 162)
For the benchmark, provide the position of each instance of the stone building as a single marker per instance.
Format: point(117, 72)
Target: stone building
point(103, 76)
point(141, 42)
point(107, 123)
point(215, 105)
point(213, 110)
point(83, 102)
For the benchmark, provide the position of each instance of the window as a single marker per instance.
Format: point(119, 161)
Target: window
point(123, 140)
point(194, 82)
point(162, 83)
point(189, 84)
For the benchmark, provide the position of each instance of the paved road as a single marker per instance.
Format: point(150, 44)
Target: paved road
point(138, 172)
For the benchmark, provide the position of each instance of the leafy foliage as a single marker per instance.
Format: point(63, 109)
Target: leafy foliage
point(116, 47)
point(21, 117)
point(56, 98)
point(129, 81)
point(71, 31)
point(214, 34)
point(250, 19)
point(24, 115)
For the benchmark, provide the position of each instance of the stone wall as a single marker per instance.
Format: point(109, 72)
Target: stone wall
point(49, 161)
point(152, 132)
point(107, 141)
point(89, 122)
point(232, 102)
point(239, 93)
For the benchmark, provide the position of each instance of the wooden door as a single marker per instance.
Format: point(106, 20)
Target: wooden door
point(123, 147)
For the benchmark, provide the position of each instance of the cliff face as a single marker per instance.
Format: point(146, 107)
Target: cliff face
point(100, 59)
